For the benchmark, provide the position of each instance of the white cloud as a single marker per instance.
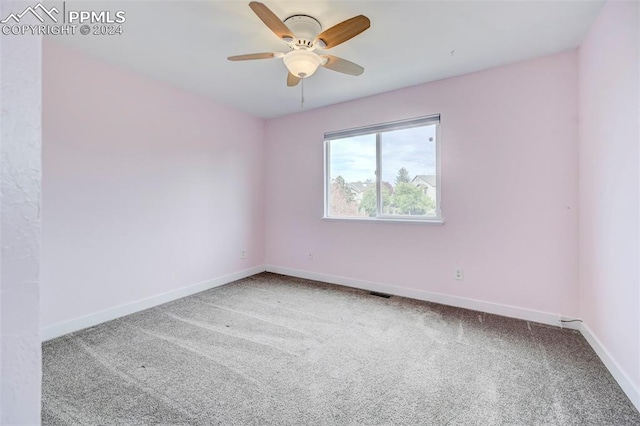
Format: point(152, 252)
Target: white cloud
point(355, 158)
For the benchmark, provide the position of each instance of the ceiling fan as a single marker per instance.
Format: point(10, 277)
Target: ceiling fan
point(304, 35)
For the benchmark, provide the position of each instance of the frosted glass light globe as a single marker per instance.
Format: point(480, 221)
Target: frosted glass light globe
point(302, 63)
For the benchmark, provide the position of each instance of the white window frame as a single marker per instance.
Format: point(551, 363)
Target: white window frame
point(377, 129)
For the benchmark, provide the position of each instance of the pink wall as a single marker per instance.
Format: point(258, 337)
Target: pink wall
point(609, 93)
point(509, 190)
point(146, 188)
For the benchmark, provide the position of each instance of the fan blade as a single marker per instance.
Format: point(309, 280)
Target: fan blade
point(251, 56)
point(271, 20)
point(344, 31)
point(292, 80)
point(342, 65)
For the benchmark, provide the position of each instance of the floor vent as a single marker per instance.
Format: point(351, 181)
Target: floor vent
point(375, 293)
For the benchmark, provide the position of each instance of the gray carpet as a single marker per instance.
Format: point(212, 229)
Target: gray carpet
point(275, 350)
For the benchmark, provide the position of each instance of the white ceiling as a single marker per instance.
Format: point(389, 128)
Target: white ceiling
point(186, 43)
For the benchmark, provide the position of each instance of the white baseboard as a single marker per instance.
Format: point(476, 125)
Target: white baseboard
point(62, 328)
point(460, 302)
point(614, 368)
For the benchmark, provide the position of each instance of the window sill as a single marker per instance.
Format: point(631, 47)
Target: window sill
point(431, 222)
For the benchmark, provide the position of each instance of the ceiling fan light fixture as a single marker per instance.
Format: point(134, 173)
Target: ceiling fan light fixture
point(302, 63)
point(304, 34)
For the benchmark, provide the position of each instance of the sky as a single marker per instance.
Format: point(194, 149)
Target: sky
point(355, 158)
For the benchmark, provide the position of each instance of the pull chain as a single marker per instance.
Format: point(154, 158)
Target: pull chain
point(302, 94)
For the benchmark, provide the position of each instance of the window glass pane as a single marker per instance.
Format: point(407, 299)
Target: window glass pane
point(405, 153)
point(408, 162)
point(352, 176)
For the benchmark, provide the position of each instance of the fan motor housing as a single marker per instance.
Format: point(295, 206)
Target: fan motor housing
point(305, 27)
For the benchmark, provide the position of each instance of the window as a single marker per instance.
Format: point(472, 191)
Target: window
point(384, 171)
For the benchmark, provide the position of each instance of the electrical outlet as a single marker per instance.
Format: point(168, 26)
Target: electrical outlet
point(243, 254)
point(458, 274)
point(310, 256)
